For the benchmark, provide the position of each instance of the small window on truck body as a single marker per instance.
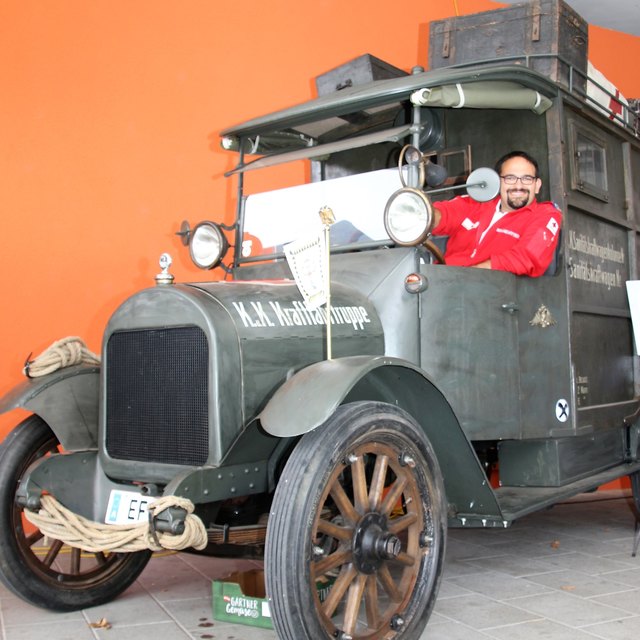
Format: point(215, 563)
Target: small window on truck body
point(589, 163)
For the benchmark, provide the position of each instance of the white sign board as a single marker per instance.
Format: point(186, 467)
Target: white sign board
point(633, 292)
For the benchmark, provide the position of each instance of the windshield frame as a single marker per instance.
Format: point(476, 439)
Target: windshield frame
point(392, 92)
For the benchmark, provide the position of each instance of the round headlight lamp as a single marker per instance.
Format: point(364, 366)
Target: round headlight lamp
point(207, 245)
point(408, 216)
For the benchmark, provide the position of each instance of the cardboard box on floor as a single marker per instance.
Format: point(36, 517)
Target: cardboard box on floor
point(241, 598)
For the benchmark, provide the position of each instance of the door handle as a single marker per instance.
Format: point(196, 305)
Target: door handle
point(510, 307)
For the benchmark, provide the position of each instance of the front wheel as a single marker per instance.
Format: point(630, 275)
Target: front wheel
point(356, 535)
point(47, 573)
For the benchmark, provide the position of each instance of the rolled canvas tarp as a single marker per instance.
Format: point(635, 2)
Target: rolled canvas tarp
point(495, 94)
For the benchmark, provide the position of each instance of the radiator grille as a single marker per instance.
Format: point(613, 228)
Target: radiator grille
point(157, 396)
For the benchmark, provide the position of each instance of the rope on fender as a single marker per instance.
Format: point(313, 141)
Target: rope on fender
point(56, 521)
point(62, 353)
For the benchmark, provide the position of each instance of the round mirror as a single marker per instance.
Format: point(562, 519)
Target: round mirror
point(483, 184)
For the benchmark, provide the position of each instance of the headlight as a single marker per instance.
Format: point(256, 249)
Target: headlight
point(408, 216)
point(207, 245)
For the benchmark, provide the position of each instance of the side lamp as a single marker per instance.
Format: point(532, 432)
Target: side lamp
point(207, 243)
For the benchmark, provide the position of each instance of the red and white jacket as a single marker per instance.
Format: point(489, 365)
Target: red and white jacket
point(522, 241)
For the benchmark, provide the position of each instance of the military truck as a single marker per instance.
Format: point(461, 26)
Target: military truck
point(346, 437)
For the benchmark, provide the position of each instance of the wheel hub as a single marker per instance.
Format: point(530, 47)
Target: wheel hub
point(373, 544)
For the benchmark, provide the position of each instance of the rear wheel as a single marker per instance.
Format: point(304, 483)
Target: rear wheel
point(46, 572)
point(356, 535)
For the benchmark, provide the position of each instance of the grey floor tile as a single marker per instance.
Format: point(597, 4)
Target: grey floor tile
point(130, 609)
point(628, 576)
point(568, 609)
point(436, 619)
point(623, 555)
point(606, 546)
point(456, 568)
point(585, 563)
point(17, 612)
point(155, 631)
point(194, 614)
point(617, 630)
point(184, 589)
point(240, 632)
point(628, 600)
point(581, 584)
point(540, 630)
point(450, 589)
point(513, 565)
point(536, 549)
point(451, 631)
point(52, 630)
point(182, 584)
point(498, 586)
point(460, 549)
point(480, 612)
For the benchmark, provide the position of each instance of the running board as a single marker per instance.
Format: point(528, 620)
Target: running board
point(516, 502)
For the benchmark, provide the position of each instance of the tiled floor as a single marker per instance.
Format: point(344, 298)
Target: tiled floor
point(563, 574)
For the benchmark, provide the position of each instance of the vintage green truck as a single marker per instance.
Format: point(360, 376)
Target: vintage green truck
point(443, 396)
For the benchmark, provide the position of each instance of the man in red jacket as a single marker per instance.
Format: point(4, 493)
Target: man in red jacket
point(513, 232)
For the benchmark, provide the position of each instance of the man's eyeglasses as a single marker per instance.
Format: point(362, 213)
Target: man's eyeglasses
point(511, 179)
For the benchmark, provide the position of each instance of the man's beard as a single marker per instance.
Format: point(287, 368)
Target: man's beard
point(520, 201)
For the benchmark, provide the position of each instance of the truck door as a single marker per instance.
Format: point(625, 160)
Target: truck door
point(468, 328)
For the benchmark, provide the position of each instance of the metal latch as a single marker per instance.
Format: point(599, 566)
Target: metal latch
point(535, 22)
point(510, 307)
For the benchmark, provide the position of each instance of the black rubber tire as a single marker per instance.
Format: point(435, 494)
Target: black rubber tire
point(36, 572)
point(304, 547)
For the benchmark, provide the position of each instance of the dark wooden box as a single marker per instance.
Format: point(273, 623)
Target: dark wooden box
point(360, 70)
point(536, 28)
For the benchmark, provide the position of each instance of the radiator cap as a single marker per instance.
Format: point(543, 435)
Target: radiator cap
point(164, 277)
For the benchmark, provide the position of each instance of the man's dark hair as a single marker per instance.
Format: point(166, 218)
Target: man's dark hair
point(517, 154)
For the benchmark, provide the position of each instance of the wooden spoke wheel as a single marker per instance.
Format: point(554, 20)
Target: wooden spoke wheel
point(356, 535)
point(45, 572)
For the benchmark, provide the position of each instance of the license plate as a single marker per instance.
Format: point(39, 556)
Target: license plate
point(127, 507)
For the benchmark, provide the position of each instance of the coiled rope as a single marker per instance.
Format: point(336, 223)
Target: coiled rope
point(63, 353)
point(56, 521)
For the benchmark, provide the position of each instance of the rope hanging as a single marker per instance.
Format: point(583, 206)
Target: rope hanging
point(63, 353)
point(56, 521)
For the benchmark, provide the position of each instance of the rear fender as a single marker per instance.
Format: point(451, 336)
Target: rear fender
point(310, 396)
point(67, 400)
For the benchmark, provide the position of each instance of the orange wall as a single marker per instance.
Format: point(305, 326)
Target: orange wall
point(109, 113)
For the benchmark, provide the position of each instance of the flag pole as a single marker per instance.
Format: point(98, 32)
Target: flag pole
point(327, 217)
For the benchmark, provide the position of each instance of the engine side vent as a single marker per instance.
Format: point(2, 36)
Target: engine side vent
point(157, 396)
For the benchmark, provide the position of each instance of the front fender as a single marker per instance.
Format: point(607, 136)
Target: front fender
point(310, 396)
point(67, 400)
